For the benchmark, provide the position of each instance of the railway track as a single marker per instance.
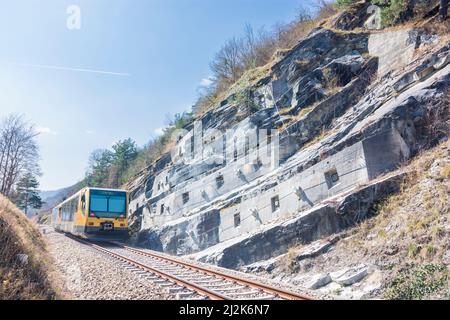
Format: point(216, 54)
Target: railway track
point(187, 280)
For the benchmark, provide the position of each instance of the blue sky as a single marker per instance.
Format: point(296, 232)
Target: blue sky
point(160, 48)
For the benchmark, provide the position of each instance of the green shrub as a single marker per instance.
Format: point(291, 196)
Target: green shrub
point(390, 10)
point(417, 282)
point(344, 3)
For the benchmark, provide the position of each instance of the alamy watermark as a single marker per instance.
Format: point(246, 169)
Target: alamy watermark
point(374, 22)
point(74, 17)
point(73, 277)
point(258, 147)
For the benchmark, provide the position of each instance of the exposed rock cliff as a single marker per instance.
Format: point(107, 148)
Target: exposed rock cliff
point(343, 107)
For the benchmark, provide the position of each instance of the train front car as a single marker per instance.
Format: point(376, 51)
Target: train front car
point(106, 213)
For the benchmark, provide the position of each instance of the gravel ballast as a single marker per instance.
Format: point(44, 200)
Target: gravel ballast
point(89, 275)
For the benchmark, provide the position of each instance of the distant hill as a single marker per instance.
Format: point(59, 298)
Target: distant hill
point(52, 198)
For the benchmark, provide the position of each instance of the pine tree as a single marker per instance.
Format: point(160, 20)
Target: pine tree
point(27, 193)
point(125, 152)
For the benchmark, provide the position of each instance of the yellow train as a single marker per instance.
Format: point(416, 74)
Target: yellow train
point(93, 213)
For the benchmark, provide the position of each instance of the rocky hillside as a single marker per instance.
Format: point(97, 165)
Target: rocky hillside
point(26, 270)
point(402, 252)
point(304, 148)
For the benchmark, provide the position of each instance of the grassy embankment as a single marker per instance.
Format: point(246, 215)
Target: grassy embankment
point(26, 271)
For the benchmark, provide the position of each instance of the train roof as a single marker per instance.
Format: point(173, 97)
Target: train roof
point(87, 188)
point(106, 189)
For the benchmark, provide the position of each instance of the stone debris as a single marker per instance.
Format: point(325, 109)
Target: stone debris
point(350, 276)
point(314, 249)
point(23, 258)
point(317, 281)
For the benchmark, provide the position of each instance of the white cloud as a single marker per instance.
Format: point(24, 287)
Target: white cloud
point(38, 66)
point(159, 131)
point(45, 130)
point(90, 132)
point(206, 82)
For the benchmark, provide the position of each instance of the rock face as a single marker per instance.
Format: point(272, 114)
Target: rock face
point(343, 107)
point(321, 221)
point(390, 54)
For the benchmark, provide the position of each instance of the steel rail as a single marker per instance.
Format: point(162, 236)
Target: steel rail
point(282, 293)
point(180, 282)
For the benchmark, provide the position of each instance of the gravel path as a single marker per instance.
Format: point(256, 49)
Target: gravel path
point(90, 276)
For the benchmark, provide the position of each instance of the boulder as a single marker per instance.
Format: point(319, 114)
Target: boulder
point(314, 249)
point(317, 281)
point(23, 258)
point(350, 276)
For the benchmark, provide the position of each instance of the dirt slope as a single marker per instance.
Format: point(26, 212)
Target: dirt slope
point(26, 270)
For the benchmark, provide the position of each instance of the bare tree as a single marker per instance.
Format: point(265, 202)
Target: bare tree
point(227, 65)
point(255, 49)
point(18, 152)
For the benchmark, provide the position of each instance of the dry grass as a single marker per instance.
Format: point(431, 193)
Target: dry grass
point(414, 219)
point(19, 280)
point(408, 238)
point(285, 38)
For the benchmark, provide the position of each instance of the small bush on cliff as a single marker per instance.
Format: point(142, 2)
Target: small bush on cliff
point(391, 10)
point(344, 3)
point(416, 282)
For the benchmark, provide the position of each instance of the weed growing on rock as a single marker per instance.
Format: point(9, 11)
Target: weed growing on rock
point(416, 282)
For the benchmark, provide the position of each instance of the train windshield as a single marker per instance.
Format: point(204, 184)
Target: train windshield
point(108, 204)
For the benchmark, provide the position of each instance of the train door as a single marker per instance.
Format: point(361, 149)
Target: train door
point(59, 219)
point(82, 213)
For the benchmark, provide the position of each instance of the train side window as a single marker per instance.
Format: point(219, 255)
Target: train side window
point(83, 204)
